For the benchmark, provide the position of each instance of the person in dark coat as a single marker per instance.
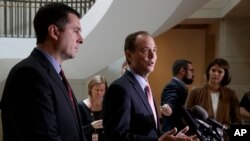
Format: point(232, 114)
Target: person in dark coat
point(38, 104)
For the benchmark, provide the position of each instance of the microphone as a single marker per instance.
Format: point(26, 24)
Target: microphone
point(207, 130)
point(192, 123)
point(216, 129)
point(215, 123)
point(199, 112)
point(202, 114)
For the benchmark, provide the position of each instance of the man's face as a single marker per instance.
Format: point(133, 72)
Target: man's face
point(189, 75)
point(144, 58)
point(70, 38)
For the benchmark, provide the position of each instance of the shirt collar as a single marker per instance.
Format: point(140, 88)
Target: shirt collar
point(143, 82)
point(51, 59)
point(180, 81)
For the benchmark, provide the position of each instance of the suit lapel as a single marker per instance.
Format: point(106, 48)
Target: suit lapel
point(57, 80)
point(142, 94)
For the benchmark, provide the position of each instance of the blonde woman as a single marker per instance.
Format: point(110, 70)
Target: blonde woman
point(91, 109)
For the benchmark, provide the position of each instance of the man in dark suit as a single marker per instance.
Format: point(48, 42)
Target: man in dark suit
point(174, 95)
point(128, 112)
point(36, 105)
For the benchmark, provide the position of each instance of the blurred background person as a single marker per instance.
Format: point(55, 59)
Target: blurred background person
point(124, 67)
point(91, 109)
point(174, 95)
point(220, 102)
point(245, 108)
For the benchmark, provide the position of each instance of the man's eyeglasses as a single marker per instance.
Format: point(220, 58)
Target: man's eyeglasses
point(192, 70)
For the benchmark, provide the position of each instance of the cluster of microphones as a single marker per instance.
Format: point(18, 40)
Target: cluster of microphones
point(206, 128)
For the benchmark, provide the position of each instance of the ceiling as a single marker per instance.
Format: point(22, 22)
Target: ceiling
point(241, 10)
point(214, 10)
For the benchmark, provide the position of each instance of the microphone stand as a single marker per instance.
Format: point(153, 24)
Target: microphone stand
point(208, 133)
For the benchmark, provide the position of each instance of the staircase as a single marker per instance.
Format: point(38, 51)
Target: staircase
point(105, 27)
point(17, 15)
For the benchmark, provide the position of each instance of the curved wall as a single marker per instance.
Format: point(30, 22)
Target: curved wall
point(104, 44)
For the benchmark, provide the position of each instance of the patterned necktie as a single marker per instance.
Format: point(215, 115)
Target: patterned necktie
point(66, 83)
point(151, 101)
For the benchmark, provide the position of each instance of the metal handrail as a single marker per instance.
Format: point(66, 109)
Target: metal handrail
point(17, 15)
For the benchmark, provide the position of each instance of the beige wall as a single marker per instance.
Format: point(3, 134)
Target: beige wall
point(228, 38)
point(176, 44)
point(234, 45)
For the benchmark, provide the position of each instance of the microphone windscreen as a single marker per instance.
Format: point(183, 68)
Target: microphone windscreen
point(199, 113)
point(193, 124)
point(189, 119)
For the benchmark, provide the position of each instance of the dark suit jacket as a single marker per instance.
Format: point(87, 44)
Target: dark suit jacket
point(36, 106)
point(127, 113)
point(87, 117)
point(174, 94)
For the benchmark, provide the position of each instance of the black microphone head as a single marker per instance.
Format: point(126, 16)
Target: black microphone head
point(199, 113)
point(189, 118)
point(192, 123)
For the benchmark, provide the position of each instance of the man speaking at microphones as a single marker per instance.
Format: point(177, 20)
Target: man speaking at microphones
point(129, 111)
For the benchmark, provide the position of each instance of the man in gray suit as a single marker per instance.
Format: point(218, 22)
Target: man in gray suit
point(36, 104)
point(129, 110)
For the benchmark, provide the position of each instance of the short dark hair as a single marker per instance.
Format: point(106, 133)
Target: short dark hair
point(52, 13)
point(130, 41)
point(178, 64)
point(226, 67)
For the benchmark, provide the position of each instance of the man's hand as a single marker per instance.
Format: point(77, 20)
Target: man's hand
point(97, 124)
point(166, 110)
point(180, 136)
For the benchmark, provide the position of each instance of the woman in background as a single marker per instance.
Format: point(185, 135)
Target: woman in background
point(124, 67)
point(245, 108)
point(220, 102)
point(91, 109)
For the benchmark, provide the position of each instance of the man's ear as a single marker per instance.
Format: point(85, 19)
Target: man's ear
point(53, 32)
point(128, 55)
point(183, 71)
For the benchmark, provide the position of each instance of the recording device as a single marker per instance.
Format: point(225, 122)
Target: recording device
point(216, 124)
point(200, 113)
point(209, 132)
point(193, 124)
point(205, 131)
